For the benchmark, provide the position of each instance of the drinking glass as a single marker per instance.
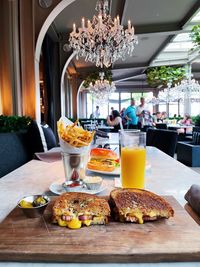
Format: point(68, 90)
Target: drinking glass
point(133, 158)
point(74, 166)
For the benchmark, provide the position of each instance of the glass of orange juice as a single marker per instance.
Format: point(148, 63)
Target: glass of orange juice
point(133, 158)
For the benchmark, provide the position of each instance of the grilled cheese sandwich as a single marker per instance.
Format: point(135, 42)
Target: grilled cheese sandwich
point(137, 205)
point(74, 210)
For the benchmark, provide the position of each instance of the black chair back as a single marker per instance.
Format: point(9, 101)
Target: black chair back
point(165, 140)
point(161, 126)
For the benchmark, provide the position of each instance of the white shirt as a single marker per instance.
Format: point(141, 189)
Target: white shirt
point(116, 121)
point(140, 109)
point(96, 114)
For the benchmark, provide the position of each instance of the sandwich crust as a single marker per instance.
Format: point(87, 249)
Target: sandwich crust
point(137, 205)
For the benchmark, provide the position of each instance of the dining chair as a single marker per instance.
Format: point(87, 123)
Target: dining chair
point(165, 140)
point(161, 126)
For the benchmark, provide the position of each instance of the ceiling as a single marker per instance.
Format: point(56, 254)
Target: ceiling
point(156, 23)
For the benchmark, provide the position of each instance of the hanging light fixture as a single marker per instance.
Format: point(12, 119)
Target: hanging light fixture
point(101, 89)
point(103, 40)
point(188, 88)
point(169, 94)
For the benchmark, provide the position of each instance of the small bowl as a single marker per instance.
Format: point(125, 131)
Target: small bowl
point(93, 182)
point(73, 186)
point(37, 211)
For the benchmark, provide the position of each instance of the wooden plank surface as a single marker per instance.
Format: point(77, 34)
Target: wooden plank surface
point(24, 239)
point(192, 213)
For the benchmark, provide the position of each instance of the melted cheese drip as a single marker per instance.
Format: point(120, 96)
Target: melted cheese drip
point(87, 222)
point(139, 215)
point(74, 223)
point(61, 222)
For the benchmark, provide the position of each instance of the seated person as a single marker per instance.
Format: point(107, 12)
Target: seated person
point(147, 120)
point(124, 120)
point(117, 120)
point(157, 118)
point(164, 116)
point(185, 121)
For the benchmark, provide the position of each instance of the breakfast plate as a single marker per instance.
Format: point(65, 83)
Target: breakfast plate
point(116, 170)
point(57, 188)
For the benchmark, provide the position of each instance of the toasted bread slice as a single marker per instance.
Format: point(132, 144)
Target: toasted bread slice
point(137, 205)
point(77, 209)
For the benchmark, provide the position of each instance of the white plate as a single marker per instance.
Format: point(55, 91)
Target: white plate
point(57, 189)
point(116, 171)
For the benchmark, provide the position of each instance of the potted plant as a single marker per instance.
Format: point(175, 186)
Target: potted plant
point(161, 76)
point(92, 77)
point(14, 123)
point(195, 36)
point(197, 120)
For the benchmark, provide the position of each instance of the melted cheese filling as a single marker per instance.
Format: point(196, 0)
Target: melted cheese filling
point(139, 215)
point(75, 223)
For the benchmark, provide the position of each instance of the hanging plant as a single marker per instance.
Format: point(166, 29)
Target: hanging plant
point(161, 76)
point(195, 36)
point(92, 77)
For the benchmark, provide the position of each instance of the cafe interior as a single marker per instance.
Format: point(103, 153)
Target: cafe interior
point(100, 124)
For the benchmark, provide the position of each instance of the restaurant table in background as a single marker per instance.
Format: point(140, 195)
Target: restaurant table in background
point(113, 139)
point(180, 126)
point(166, 177)
point(99, 127)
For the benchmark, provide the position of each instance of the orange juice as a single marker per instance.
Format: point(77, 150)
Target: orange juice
point(133, 167)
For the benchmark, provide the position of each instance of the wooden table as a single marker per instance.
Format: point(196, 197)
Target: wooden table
point(166, 177)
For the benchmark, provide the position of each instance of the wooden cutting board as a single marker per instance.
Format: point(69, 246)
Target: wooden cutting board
point(24, 239)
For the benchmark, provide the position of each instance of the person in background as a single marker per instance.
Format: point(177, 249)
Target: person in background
point(185, 121)
point(111, 113)
point(124, 120)
point(122, 112)
point(157, 117)
point(91, 116)
point(144, 116)
point(96, 113)
point(130, 115)
point(164, 116)
point(116, 122)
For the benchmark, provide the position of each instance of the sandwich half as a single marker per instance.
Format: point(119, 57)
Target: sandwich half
point(137, 205)
point(77, 209)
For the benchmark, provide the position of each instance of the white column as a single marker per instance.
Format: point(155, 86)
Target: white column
point(187, 104)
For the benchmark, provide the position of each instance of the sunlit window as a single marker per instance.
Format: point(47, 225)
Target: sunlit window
point(125, 100)
point(114, 102)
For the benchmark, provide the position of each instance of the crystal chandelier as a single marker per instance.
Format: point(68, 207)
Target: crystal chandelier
point(103, 40)
point(169, 94)
point(101, 89)
point(188, 88)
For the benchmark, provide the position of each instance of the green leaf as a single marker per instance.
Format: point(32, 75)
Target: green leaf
point(160, 76)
